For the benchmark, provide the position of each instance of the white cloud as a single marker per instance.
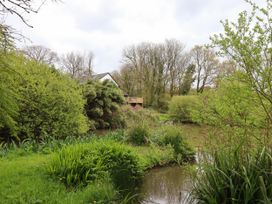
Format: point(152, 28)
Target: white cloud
point(107, 26)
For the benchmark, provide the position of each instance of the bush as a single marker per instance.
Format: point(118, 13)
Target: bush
point(171, 135)
point(147, 116)
point(139, 134)
point(103, 104)
point(8, 95)
point(235, 113)
point(81, 164)
point(181, 107)
point(233, 177)
point(49, 103)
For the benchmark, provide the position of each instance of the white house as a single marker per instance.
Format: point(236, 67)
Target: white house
point(134, 102)
point(105, 76)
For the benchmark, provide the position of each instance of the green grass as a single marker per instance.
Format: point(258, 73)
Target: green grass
point(153, 156)
point(24, 179)
point(235, 177)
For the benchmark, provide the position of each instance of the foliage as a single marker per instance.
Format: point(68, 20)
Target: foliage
point(154, 156)
point(8, 95)
point(234, 177)
point(103, 104)
point(139, 134)
point(171, 135)
point(29, 171)
point(189, 78)
point(116, 135)
point(49, 103)
point(181, 107)
point(248, 44)
point(24, 180)
point(84, 163)
point(161, 102)
point(234, 110)
point(48, 146)
point(147, 116)
point(152, 70)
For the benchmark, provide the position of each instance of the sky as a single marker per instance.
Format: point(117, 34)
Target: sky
point(106, 27)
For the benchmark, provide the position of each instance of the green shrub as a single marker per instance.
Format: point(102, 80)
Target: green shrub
point(154, 157)
point(235, 177)
point(235, 113)
point(139, 134)
point(117, 135)
point(171, 135)
point(147, 116)
point(81, 164)
point(8, 95)
point(103, 104)
point(181, 107)
point(49, 103)
point(121, 163)
point(161, 102)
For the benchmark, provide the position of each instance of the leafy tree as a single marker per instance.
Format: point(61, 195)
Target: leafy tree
point(8, 95)
point(103, 104)
point(49, 103)
point(248, 42)
point(181, 108)
point(233, 111)
point(187, 80)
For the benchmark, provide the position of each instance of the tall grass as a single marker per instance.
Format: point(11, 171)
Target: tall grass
point(232, 177)
point(79, 165)
point(173, 136)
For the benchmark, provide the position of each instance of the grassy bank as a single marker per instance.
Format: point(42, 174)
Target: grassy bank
point(25, 180)
point(25, 177)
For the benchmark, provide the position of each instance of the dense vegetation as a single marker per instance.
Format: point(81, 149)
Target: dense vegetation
point(235, 178)
point(239, 170)
point(103, 101)
point(76, 165)
point(181, 108)
point(49, 153)
point(41, 103)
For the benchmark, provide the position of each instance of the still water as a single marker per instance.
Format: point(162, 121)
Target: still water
point(168, 185)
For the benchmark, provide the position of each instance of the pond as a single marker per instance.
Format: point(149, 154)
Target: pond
point(167, 185)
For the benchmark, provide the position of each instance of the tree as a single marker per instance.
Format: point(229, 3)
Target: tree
point(125, 78)
point(103, 104)
point(77, 65)
point(187, 80)
point(48, 103)
point(151, 70)
point(173, 54)
point(41, 54)
point(206, 64)
point(248, 42)
point(8, 96)
point(18, 8)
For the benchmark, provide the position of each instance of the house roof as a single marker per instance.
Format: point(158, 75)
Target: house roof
point(100, 76)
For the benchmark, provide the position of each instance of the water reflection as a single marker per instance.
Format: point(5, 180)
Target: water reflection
point(169, 185)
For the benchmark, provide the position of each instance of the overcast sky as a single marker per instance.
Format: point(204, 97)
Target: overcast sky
point(105, 27)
